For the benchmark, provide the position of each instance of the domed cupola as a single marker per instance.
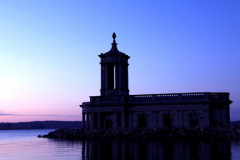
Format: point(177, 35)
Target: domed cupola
point(114, 71)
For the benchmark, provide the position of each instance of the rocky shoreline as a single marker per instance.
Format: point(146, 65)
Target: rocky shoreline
point(154, 133)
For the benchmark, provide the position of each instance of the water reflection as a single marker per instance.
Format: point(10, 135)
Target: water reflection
point(193, 149)
point(24, 145)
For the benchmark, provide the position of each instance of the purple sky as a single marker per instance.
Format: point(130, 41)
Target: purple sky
point(49, 51)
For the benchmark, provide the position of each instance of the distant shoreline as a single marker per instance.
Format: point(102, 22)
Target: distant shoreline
point(40, 125)
point(53, 125)
point(24, 129)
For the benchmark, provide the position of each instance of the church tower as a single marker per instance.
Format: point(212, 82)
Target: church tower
point(114, 71)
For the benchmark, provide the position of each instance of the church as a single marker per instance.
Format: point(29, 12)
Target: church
point(116, 108)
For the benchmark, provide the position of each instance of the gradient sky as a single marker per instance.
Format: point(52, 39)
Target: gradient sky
point(49, 51)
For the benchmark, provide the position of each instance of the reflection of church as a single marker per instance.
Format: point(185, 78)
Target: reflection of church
point(116, 108)
point(207, 149)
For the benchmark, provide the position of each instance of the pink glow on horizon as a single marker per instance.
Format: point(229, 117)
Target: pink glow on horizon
point(13, 119)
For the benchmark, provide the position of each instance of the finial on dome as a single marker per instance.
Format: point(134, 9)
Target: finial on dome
point(114, 35)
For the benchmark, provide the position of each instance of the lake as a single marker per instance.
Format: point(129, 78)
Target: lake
point(24, 144)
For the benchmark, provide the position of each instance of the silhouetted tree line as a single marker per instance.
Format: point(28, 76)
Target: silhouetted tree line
point(41, 125)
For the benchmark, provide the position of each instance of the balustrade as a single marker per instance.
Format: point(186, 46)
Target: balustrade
point(141, 97)
point(192, 96)
point(166, 97)
point(161, 97)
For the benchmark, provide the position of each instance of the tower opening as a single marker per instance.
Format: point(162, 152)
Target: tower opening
point(114, 77)
point(110, 76)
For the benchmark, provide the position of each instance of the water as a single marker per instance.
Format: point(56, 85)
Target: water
point(24, 144)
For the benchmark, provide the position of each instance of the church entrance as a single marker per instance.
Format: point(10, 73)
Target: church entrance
point(167, 121)
point(108, 123)
point(193, 120)
point(142, 121)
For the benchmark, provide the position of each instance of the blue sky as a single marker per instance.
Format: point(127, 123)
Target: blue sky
point(49, 51)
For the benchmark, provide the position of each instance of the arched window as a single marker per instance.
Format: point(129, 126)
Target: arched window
point(167, 121)
point(193, 120)
point(142, 121)
point(108, 123)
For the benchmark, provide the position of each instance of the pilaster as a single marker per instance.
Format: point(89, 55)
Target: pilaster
point(92, 120)
point(122, 119)
point(83, 120)
point(154, 118)
point(116, 119)
point(126, 79)
point(99, 120)
point(224, 115)
point(120, 78)
point(116, 76)
point(180, 118)
point(88, 122)
point(130, 124)
point(102, 80)
point(106, 77)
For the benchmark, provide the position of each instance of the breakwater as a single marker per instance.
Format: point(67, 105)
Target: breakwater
point(155, 133)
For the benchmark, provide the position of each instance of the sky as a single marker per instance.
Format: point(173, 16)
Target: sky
point(49, 51)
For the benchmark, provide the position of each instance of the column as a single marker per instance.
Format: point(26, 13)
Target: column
point(99, 120)
point(130, 119)
point(92, 120)
point(120, 78)
point(116, 119)
point(180, 118)
point(160, 119)
point(206, 116)
point(224, 115)
point(116, 76)
point(126, 78)
point(122, 119)
point(88, 126)
point(154, 119)
point(102, 79)
point(228, 115)
point(83, 120)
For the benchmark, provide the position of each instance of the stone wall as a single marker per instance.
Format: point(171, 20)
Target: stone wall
point(160, 110)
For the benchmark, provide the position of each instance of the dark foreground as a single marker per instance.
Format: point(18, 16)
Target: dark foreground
point(23, 144)
point(154, 133)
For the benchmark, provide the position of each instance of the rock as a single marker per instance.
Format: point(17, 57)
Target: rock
point(156, 132)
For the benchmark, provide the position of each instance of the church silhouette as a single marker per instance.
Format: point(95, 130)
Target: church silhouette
point(116, 108)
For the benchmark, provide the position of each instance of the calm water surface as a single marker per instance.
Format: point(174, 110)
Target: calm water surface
point(24, 144)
